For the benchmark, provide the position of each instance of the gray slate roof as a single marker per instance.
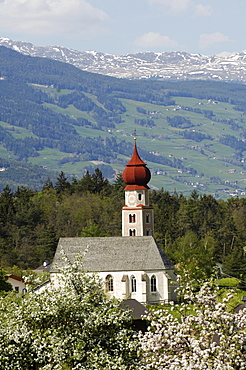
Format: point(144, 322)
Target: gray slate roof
point(138, 253)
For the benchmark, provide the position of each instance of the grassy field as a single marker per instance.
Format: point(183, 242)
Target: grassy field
point(216, 165)
point(210, 158)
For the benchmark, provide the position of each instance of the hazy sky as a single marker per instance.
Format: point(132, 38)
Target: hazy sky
point(126, 26)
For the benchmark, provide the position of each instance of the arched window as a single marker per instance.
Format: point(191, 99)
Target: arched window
point(153, 286)
point(148, 232)
point(147, 218)
point(109, 283)
point(132, 217)
point(139, 196)
point(132, 232)
point(133, 284)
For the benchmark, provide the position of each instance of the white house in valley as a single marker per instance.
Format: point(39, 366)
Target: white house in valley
point(131, 266)
point(18, 284)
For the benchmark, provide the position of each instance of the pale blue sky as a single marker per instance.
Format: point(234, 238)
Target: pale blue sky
point(128, 26)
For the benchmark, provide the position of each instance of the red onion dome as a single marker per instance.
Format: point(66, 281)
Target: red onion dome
point(136, 175)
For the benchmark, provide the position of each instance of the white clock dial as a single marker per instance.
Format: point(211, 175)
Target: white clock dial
point(131, 199)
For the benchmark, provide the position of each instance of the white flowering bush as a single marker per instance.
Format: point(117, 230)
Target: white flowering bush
point(204, 336)
point(74, 327)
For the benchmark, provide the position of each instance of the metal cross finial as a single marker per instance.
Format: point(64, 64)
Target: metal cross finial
point(135, 134)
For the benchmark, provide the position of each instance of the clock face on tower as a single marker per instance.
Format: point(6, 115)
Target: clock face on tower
point(132, 199)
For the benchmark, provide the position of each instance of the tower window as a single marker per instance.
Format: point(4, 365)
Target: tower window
point(147, 218)
point(132, 218)
point(148, 232)
point(133, 284)
point(139, 196)
point(132, 232)
point(153, 285)
point(109, 283)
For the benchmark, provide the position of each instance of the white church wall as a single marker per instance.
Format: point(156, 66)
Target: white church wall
point(122, 285)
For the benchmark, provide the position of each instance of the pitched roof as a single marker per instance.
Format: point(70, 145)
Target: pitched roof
point(43, 268)
point(139, 253)
point(239, 307)
point(14, 277)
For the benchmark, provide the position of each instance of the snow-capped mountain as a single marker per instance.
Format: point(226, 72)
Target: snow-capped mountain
point(167, 65)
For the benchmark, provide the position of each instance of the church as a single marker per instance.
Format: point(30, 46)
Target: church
point(132, 265)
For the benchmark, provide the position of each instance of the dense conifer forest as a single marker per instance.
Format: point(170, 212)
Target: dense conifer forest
point(196, 233)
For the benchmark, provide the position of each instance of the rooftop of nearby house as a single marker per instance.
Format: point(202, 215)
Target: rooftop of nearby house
point(45, 267)
point(14, 277)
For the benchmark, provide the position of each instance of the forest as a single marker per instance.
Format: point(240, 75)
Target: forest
point(197, 233)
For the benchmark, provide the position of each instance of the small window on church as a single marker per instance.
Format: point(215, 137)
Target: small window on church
point(147, 218)
point(148, 232)
point(132, 218)
point(153, 286)
point(132, 232)
point(133, 284)
point(139, 196)
point(109, 283)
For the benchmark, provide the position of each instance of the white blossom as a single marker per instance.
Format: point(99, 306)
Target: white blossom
point(208, 338)
point(75, 327)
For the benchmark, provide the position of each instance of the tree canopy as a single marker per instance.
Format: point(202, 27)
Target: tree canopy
point(74, 327)
point(204, 336)
point(196, 233)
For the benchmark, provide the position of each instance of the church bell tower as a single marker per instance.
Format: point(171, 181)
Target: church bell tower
point(137, 214)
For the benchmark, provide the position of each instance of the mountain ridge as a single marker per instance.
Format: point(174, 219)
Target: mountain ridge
point(163, 65)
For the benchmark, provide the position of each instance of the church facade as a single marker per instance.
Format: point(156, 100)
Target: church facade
point(133, 265)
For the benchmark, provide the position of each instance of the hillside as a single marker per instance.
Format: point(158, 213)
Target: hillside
point(54, 115)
